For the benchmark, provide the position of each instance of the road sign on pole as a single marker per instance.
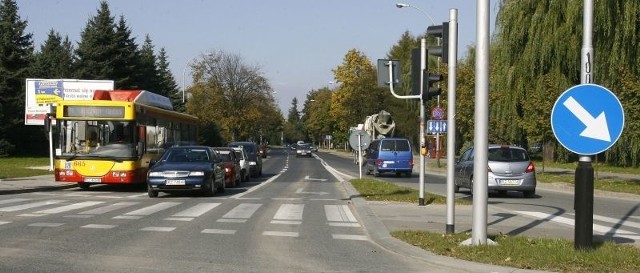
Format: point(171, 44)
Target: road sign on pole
point(587, 119)
point(437, 113)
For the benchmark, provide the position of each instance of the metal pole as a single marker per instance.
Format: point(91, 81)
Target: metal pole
point(423, 66)
point(480, 142)
point(451, 117)
point(583, 202)
point(50, 147)
point(360, 155)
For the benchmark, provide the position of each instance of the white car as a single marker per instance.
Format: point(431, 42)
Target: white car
point(244, 163)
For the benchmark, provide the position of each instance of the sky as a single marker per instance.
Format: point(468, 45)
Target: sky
point(295, 44)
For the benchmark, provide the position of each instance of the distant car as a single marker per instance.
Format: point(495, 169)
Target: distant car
point(313, 147)
point(197, 168)
point(243, 158)
point(510, 169)
point(232, 167)
point(255, 161)
point(303, 150)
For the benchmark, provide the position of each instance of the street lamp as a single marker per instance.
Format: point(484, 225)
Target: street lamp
point(403, 5)
point(184, 74)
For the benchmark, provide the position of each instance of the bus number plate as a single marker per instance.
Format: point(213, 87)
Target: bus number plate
point(92, 180)
point(174, 182)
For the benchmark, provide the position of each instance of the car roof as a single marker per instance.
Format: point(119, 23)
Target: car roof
point(189, 147)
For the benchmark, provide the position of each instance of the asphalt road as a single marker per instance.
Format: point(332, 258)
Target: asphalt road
point(296, 218)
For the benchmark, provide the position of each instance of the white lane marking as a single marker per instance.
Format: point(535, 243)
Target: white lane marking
point(109, 208)
point(323, 199)
point(69, 207)
point(161, 229)
point(616, 221)
point(152, 209)
point(31, 205)
point(4, 222)
point(289, 212)
point(350, 237)
point(108, 197)
point(231, 220)
point(568, 221)
point(197, 210)
point(280, 233)
point(136, 195)
point(46, 224)
point(344, 224)
point(78, 216)
point(184, 219)
point(218, 231)
point(339, 213)
point(13, 200)
point(286, 198)
point(128, 217)
point(242, 211)
point(286, 222)
point(98, 226)
point(237, 196)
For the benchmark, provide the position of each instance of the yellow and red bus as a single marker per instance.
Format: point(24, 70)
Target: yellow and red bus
point(112, 138)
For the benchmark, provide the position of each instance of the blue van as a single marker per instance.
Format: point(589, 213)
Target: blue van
point(389, 155)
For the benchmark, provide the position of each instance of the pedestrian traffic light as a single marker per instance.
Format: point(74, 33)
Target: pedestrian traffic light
point(442, 50)
point(432, 90)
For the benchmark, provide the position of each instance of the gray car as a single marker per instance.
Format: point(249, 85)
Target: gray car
point(510, 169)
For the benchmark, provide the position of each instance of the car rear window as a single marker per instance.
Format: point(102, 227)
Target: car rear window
point(507, 154)
point(395, 145)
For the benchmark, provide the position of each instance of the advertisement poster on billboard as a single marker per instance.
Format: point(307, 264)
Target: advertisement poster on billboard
point(42, 94)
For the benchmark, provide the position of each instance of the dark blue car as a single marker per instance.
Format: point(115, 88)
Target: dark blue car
point(197, 168)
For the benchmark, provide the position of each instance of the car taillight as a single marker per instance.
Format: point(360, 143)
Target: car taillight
point(378, 161)
point(530, 168)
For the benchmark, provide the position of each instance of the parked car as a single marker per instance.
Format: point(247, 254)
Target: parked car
point(255, 161)
point(197, 168)
point(243, 158)
point(510, 169)
point(232, 167)
point(389, 155)
point(303, 150)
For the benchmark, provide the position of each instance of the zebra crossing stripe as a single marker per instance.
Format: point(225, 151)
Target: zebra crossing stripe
point(13, 200)
point(219, 231)
point(109, 208)
point(98, 226)
point(4, 222)
point(242, 211)
point(339, 213)
point(281, 233)
point(197, 210)
point(161, 229)
point(568, 221)
point(349, 237)
point(69, 207)
point(30, 205)
point(46, 224)
point(616, 221)
point(152, 209)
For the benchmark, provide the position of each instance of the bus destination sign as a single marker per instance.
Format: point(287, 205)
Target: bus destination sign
point(82, 111)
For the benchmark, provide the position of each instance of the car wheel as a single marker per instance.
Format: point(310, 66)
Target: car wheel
point(529, 194)
point(502, 192)
point(84, 186)
point(456, 189)
point(409, 174)
point(152, 193)
point(375, 172)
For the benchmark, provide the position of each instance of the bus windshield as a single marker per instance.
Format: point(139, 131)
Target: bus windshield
point(103, 138)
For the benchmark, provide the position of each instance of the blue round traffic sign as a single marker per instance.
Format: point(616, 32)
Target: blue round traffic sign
point(437, 113)
point(587, 119)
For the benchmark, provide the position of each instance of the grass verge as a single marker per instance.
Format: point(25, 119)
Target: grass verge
point(376, 190)
point(529, 253)
point(11, 167)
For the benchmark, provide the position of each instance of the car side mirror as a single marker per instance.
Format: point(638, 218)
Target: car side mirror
point(152, 162)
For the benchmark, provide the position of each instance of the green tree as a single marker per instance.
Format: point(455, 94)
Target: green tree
point(316, 119)
point(167, 83)
point(148, 69)
point(97, 50)
point(55, 59)
point(358, 86)
point(293, 128)
point(128, 72)
point(16, 55)
point(233, 95)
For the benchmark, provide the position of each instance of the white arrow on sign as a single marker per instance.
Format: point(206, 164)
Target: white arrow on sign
point(315, 179)
point(596, 127)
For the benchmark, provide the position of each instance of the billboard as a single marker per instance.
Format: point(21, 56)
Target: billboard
point(42, 94)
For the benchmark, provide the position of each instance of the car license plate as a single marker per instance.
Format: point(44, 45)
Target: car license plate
point(510, 181)
point(92, 180)
point(175, 182)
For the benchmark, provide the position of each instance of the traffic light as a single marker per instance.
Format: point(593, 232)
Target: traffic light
point(440, 31)
point(415, 71)
point(432, 90)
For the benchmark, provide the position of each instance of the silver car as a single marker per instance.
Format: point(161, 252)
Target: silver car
point(510, 169)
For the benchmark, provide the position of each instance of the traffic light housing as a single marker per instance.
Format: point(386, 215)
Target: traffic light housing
point(415, 71)
point(432, 89)
point(440, 31)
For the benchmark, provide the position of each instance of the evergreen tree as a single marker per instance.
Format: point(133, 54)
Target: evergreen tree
point(149, 73)
point(16, 54)
point(127, 73)
point(97, 50)
point(167, 84)
point(55, 59)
